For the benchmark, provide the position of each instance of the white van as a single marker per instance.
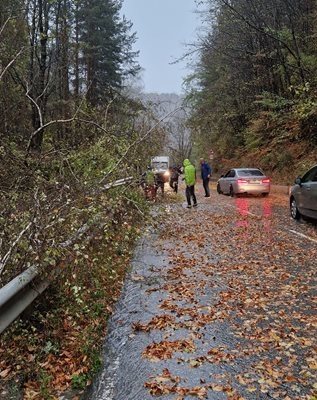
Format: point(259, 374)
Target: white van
point(160, 166)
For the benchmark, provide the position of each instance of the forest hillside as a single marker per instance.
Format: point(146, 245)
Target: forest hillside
point(254, 88)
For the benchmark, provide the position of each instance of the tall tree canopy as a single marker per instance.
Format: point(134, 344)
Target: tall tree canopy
point(106, 47)
point(55, 52)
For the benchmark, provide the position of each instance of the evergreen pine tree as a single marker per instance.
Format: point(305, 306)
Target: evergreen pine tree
point(106, 47)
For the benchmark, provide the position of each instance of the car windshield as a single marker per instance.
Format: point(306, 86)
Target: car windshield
point(160, 165)
point(249, 172)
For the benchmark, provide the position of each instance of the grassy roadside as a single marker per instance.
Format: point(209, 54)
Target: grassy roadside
point(56, 347)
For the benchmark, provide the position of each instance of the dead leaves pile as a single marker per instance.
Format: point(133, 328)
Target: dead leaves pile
point(165, 349)
point(159, 322)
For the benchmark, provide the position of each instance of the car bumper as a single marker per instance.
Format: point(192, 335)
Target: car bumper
point(252, 188)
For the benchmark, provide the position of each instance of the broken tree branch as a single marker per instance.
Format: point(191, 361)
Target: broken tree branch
point(5, 69)
point(138, 141)
point(6, 257)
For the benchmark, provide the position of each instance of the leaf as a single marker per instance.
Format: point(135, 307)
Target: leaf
point(137, 278)
point(195, 363)
point(5, 373)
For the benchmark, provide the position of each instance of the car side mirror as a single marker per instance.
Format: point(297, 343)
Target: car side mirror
point(298, 181)
point(221, 176)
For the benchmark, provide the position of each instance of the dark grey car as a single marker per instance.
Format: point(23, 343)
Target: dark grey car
point(303, 195)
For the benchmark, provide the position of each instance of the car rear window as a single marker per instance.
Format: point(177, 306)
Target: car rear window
point(249, 172)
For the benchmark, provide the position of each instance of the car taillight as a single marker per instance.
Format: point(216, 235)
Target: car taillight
point(267, 180)
point(242, 181)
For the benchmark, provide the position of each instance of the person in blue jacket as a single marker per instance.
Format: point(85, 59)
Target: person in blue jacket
point(205, 176)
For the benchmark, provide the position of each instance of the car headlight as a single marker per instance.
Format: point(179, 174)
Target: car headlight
point(166, 173)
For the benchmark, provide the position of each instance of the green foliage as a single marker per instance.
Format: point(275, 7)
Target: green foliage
point(96, 362)
point(51, 348)
point(271, 101)
point(310, 61)
point(308, 123)
point(93, 162)
point(305, 108)
point(284, 159)
point(277, 159)
point(252, 139)
point(45, 380)
point(79, 381)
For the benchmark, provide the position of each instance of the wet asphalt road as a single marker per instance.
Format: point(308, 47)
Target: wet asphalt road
point(220, 304)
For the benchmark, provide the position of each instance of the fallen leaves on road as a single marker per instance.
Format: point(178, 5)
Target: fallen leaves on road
point(158, 322)
point(240, 276)
point(165, 350)
point(167, 384)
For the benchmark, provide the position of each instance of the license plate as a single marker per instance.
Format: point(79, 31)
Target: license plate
point(255, 181)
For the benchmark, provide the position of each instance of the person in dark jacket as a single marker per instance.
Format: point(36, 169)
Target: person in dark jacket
point(159, 180)
point(205, 176)
point(175, 173)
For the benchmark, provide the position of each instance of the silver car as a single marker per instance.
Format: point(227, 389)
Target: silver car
point(303, 195)
point(243, 181)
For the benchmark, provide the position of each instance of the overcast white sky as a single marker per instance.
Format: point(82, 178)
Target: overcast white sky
point(163, 27)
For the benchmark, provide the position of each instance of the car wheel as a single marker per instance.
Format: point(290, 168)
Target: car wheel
point(231, 192)
point(294, 210)
point(218, 189)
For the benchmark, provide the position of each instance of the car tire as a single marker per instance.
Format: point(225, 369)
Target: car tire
point(294, 210)
point(231, 192)
point(218, 189)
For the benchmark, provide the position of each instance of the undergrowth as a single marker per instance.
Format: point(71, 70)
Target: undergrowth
point(56, 347)
point(281, 140)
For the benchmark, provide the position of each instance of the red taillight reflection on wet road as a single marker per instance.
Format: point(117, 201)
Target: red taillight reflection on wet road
point(263, 210)
point(242, 206)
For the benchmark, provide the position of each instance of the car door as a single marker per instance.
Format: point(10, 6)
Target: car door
point(228, 179)
point(222, 182)
point(308, 197)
